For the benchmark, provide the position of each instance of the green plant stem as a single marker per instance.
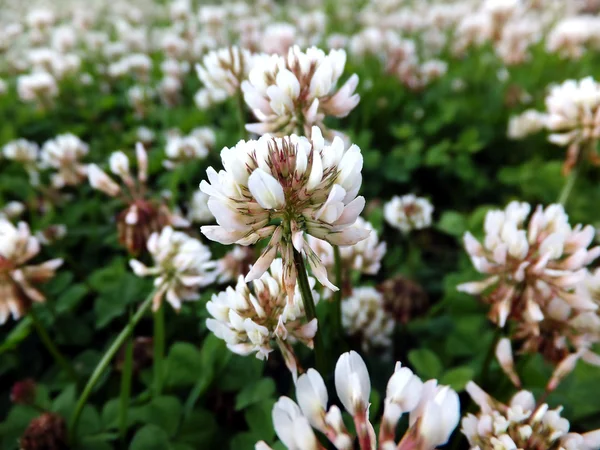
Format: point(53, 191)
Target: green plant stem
point(105, 361)
point(568, 187)
point(241, 110)
point(49, 344)
point(159, 349)
point(310, 309)
point(126, 376)
point(337, 296)
point(489, 357)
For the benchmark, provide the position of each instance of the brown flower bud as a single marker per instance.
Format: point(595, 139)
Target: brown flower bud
point(404, 298)
point(23, 392)
point(46, 432)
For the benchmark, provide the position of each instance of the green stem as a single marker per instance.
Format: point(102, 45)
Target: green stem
point(241, 110)
point(105, 361)
point(489, 357)
point(337, 296)
point(568, 187)
point(159, 349)
point(126, 376)
point(310, 309)
point(49, 344)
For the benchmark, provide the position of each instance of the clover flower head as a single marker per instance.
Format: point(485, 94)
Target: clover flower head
point(434, 410)
point(408, 212)
point(284, 189)
point(364, 316)
point(294, 93)
point(64, 153)
point(521, 424)
point(19, 280)
point(182, 265)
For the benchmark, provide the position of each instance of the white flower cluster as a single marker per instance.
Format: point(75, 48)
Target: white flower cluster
point(533, 267)
point(364, 316)
point(249, 319)
point(198, 211)
point(195, 145)
point(293, 94)
point(521, 424)
point(526, 123)
point(182, 265)
point(222, 71)
point(64, 153)
point(408, 212)
point(286, 188)
point(434, 410)
point(18, 280)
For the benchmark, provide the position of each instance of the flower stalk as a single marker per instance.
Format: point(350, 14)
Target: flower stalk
point(309, 308)
point(159, 349)
point(126, 377)
point(51, 347)
point(105, 361)
point(337, 296)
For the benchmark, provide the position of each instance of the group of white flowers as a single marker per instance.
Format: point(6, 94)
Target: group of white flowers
point(295, 183)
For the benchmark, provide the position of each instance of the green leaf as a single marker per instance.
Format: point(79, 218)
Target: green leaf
point(164, 412)
point(240, 371)
point(200, 436)
point(254, 392)
point(64, 404)
point(244, 441)
point(17, 335)
point(71, 298)
point(426, 363)
point(452, 223)
point(150, 437)
point(458, 377)
point(110, 414)
point(259, 419)
point(183, 365)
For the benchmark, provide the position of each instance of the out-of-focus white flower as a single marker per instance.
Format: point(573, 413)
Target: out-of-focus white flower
point(533, 270)
point(182, 266)
point(140, 97)
point(145, 135)
point(64, 153)
point(434, 410)
point(408, 212)
point(571, 35)
point(12, 210)
point(205, 98)
point(529, 122)
point(573, 109)
point(248, 320)
point(21, 151)
point(37, 87)
point(193, 146)
point(303, 186)
point(222, 71)
point(521, 424)
point(198, 210)
point(364, 256)
point(363, 315)
point(18, 280)
point(293, 94)
point(278, 38)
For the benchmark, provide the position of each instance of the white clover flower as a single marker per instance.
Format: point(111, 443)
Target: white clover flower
point(235, 263)
point(18, 280)
point(526, 123)
point(533, 267)
point(521, 424)
point(37, 87)
point(182, 266)
point(205, 98)
point(277, 38)
point(64, 153)
point(194, 146)
point(248, 320)
point(222, 71)
point(408, 212)
point(363, 315)
point(198, 210)
point(21, 151)
point(12, 210)
point(284, 189)
point(573, 109)
point(291, 95)
point(434, 410)
point(364, 256)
